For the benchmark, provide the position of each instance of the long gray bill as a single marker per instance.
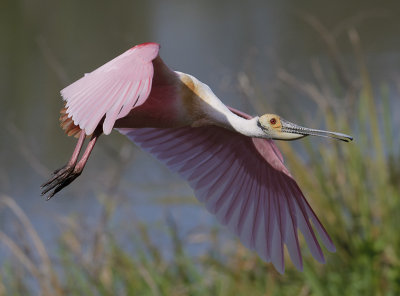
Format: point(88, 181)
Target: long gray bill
point(296, 129)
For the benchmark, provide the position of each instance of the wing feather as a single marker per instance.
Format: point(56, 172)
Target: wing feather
point(104, 103)
point(112, 90)
point(215, 176)
point(220, 182)
point(278, 232)
point(269, 215)
point(236, 203)
point(244, 183)
point(257, 209)
point(291, 231)
point(247, 218)
point(80, 112)
point(223, 201)
point(290, 227)
point(307, 230)
point(261, 239)
point(245, 210)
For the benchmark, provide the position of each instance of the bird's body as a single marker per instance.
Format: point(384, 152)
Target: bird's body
point(227, 156)
point(182, 105)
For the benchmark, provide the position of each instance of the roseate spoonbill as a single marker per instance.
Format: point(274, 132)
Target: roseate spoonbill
point(227, 156)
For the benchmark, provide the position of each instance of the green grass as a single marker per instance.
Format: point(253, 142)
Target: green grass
point(354, 188)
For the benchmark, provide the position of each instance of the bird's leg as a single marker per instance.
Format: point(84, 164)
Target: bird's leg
point(68, 173)
point(72, 162)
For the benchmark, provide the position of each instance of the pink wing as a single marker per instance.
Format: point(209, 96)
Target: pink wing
point(244, 182)
point(111, 90)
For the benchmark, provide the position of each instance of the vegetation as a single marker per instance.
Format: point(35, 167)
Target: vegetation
point(353, 187)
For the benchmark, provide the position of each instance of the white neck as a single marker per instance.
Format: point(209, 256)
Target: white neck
point(218, 114)
point(247, 127)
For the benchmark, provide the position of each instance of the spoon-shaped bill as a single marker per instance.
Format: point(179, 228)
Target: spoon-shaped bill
point(288, 127)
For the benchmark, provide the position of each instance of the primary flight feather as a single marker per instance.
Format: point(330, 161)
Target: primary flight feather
point(228, 157)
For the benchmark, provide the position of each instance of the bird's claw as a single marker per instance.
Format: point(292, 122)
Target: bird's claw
point(60, 179)
point(58, 170)
point(57, 174)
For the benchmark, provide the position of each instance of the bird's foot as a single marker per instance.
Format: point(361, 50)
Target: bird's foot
point(60, 179)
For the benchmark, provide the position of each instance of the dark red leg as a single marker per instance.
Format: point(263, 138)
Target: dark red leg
point(72, 170)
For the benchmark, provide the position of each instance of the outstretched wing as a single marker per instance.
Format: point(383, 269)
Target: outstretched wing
point(244, 182)
point(111, 90)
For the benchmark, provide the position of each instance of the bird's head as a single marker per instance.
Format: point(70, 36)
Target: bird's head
point(277, 128)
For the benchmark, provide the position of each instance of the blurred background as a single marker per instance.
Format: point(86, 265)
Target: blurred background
point(128, 226)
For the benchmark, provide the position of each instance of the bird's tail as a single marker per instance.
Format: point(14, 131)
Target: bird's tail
point(67, 124)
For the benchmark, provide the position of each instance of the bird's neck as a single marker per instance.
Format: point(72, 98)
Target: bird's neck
point(247, 127)
point(213, 111)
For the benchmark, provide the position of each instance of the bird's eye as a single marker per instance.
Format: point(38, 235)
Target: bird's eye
point(272, 121)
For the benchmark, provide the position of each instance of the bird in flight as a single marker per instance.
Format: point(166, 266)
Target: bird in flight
point(228, 157)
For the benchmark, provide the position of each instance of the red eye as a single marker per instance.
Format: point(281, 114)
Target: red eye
point(272, 121)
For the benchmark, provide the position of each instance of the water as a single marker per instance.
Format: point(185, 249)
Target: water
point(46, 45)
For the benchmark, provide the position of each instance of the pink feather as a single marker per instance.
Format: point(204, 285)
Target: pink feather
point(112, 90)
point(244, 182)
